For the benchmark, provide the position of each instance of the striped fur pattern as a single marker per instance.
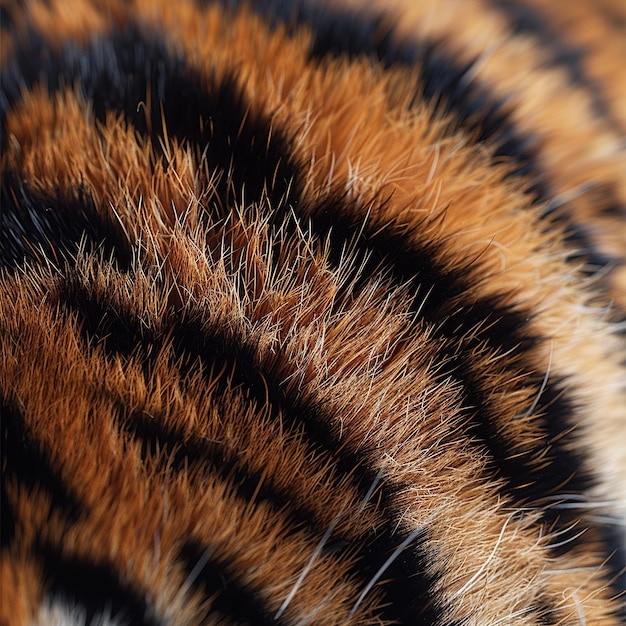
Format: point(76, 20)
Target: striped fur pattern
point(313, 313)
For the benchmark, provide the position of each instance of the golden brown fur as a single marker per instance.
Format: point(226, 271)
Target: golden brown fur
point(304, 346)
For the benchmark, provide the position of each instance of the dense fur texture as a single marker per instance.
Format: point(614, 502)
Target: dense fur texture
point(313, 314)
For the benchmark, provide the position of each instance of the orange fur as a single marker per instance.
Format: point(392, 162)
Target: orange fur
point(240, 377)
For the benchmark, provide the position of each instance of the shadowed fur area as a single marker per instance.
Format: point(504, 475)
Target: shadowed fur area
point(312, 312)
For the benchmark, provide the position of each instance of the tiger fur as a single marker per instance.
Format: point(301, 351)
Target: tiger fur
point(312, 313)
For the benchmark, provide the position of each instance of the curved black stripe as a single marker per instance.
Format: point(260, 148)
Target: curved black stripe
point(95, 587)
point(459, 324)
point(528, 20)
point(219, 109)
point(229, 597)
point(442, 81)
point(156, 438)
point(134, 74)
point(114, 73)
point(35, 226)
point(121, 74)
point(27, 464)
point(121, 334)
point(409, 589)
point(464, 324)
point(609, 211)
point(340, 31)
point(117, 71)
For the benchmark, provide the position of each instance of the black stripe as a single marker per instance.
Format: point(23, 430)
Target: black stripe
point(409, 590)
point(96, 587)
point(527, 20)
point(579, 237)
point(346, 33)
point(229, 598)
point(6, 19)
point(579, 234)
point(179, 451)
point(443, 82)
point(442, 79)
point(134, 74)
point(227, 108)
point(117, 74)
point(26, 463)
point(114, 74)
point(37, 226)
point(271, 161)
point(462, 328)
point(615, 537)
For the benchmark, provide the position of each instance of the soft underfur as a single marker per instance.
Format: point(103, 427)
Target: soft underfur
point(313, 313)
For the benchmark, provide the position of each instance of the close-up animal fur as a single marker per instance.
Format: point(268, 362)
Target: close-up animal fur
point(312, 312)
